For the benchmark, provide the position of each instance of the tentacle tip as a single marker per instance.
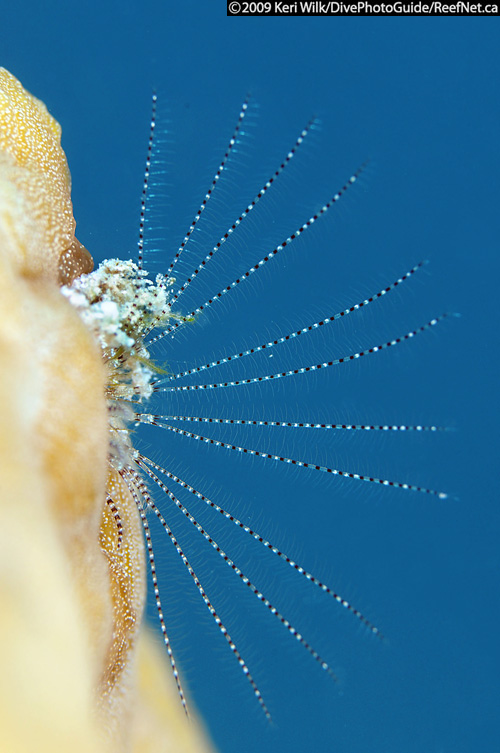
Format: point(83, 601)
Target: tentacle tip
point(332, 674)
point(377, 634)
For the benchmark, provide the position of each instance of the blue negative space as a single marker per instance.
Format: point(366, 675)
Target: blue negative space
point(419, 98)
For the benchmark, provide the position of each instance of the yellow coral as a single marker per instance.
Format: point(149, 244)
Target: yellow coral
point(71, 593)
point(35, 203)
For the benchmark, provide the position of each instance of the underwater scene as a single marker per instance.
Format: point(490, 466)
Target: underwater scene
point(317, 428)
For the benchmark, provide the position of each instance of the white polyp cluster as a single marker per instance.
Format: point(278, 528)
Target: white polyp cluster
point(119, 305)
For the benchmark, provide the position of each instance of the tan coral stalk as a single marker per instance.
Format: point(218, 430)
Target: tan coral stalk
point(72, 580)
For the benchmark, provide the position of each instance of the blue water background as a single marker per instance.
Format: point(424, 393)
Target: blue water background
point(419, 98)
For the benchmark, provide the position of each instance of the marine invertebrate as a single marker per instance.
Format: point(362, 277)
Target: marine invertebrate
point(126, 310)
point(120, 314)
